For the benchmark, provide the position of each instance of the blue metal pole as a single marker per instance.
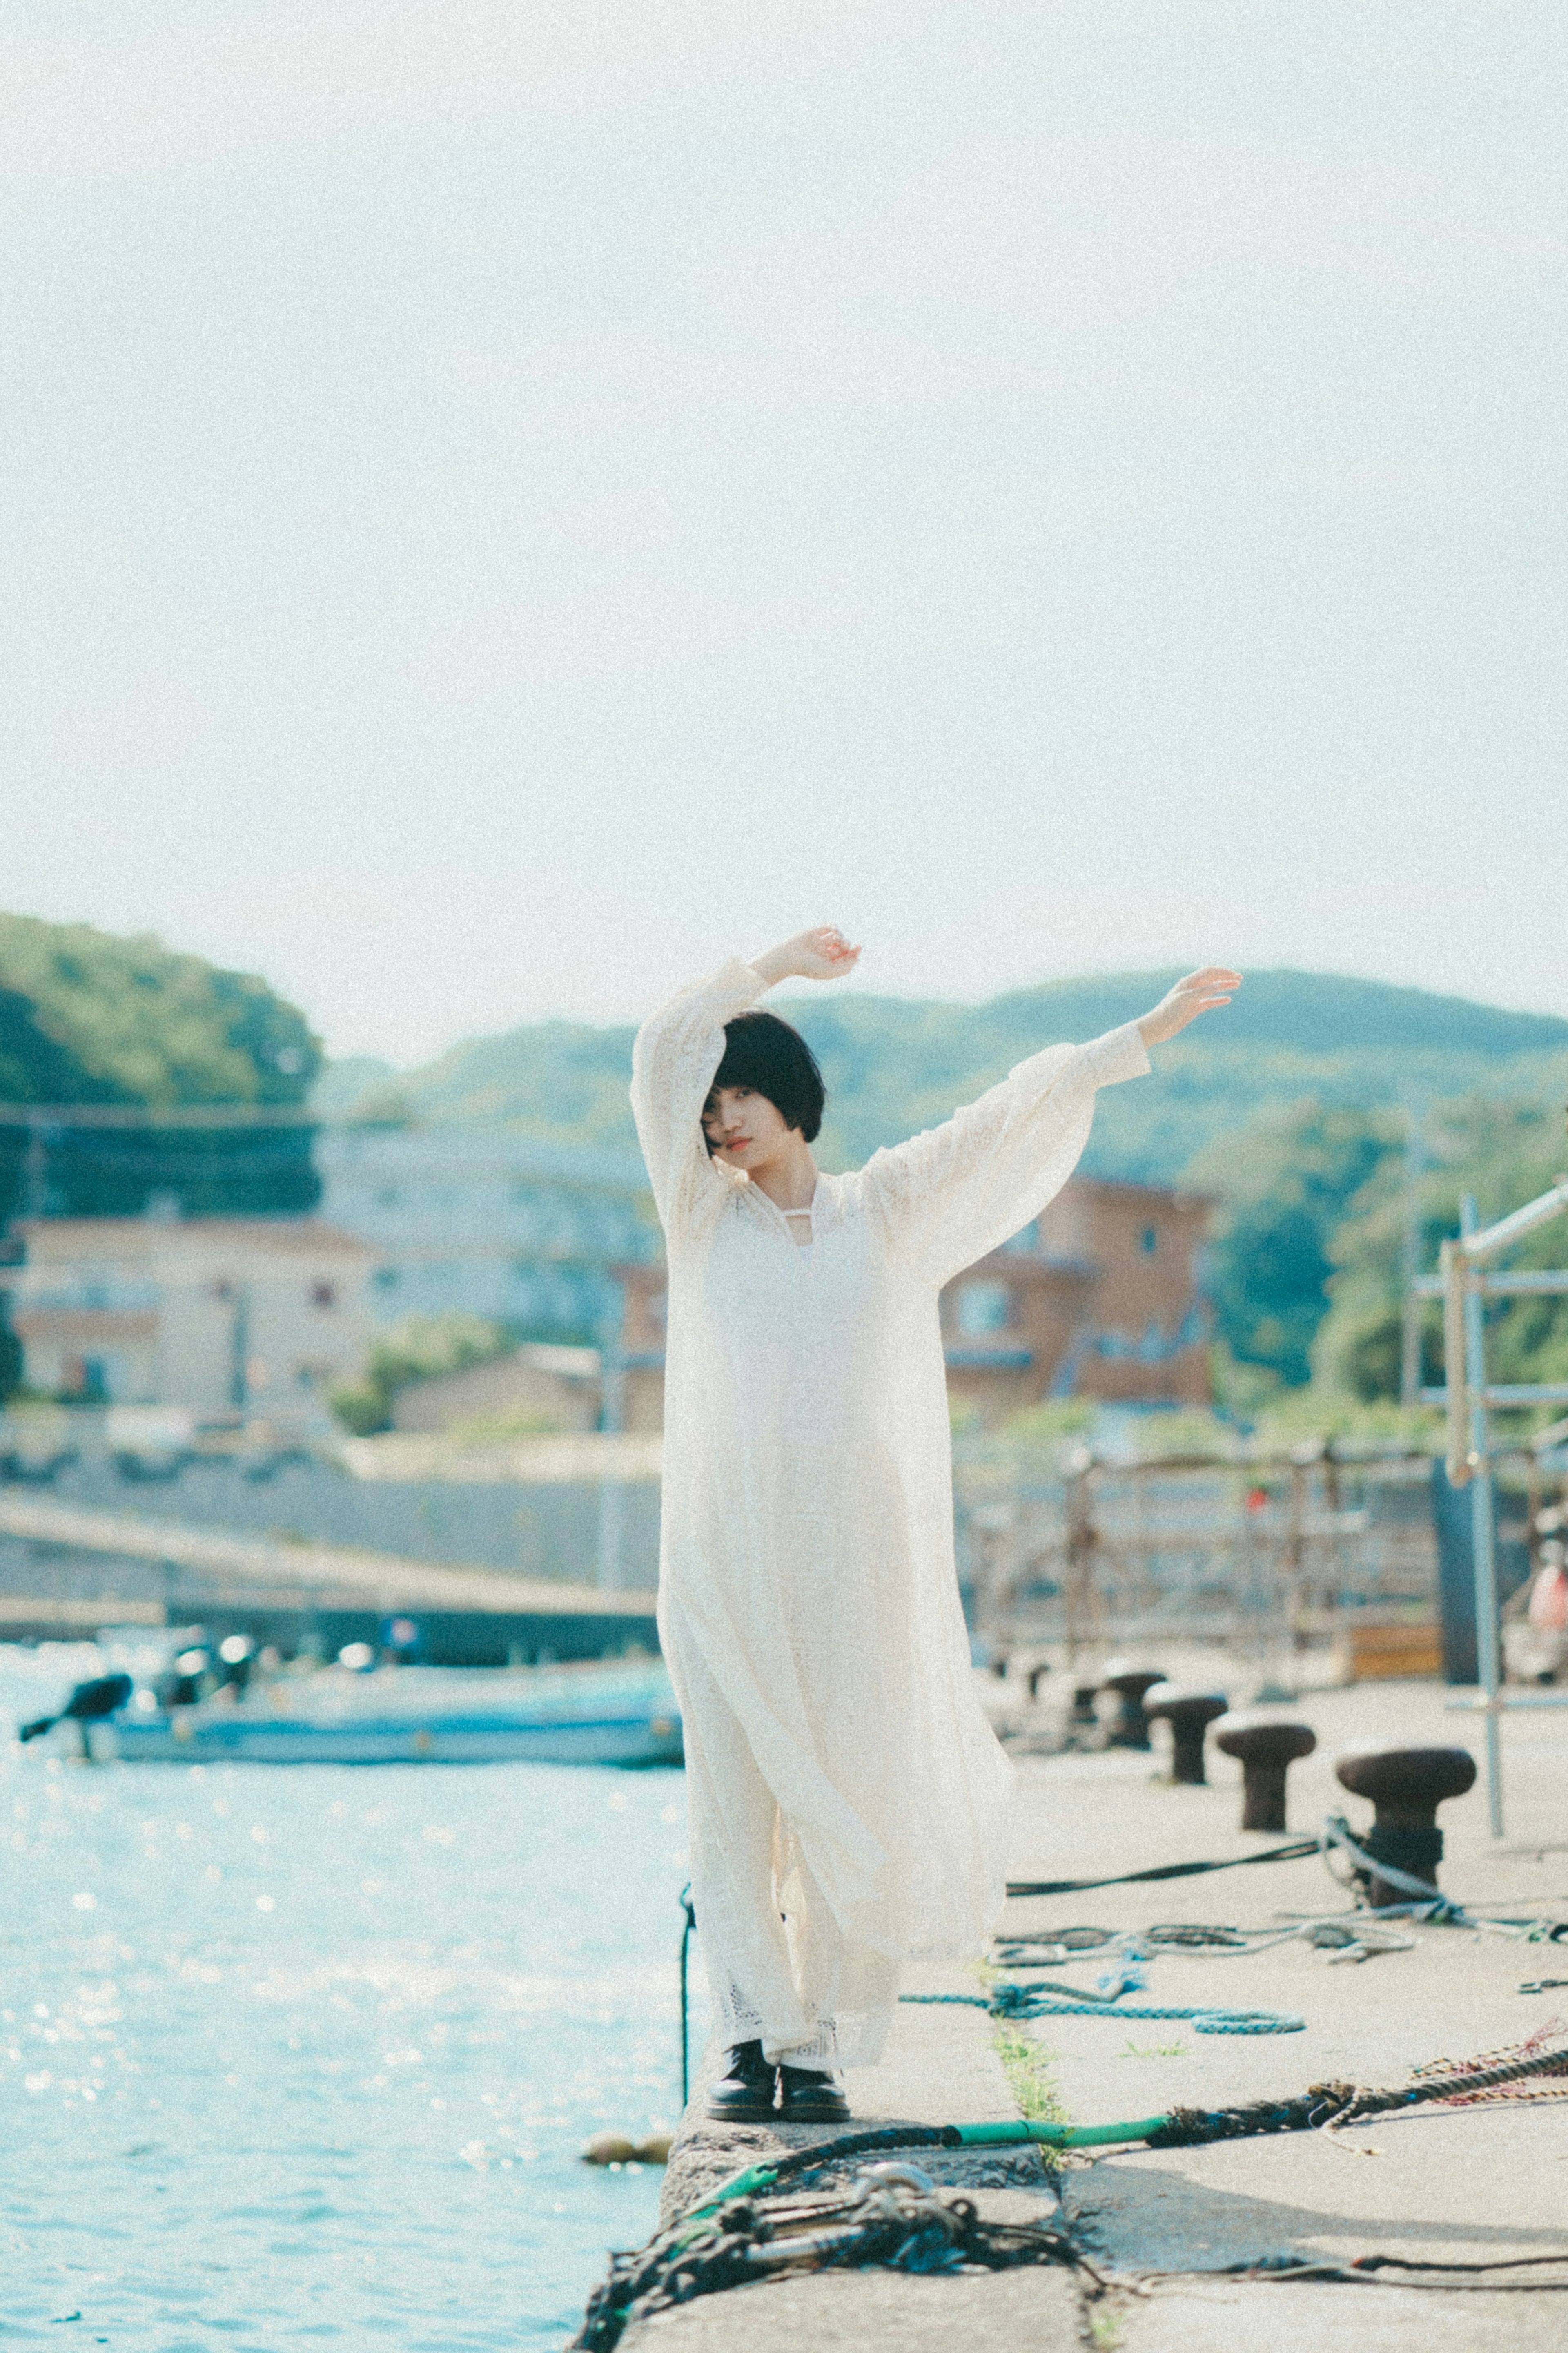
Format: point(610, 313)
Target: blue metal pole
point(1483, 1525)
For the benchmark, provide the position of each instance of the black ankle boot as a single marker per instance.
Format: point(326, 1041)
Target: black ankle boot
point(809, 2096)
point(745, 2093)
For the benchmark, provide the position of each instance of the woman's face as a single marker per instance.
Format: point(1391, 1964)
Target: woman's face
point(743, 1127)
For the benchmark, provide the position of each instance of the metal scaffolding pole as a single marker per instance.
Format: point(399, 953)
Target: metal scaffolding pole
point(1467, 1395)
point(1483, 1523)
point(1410, 1332)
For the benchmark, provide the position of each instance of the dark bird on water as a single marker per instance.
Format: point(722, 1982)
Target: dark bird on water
point(87, 1705)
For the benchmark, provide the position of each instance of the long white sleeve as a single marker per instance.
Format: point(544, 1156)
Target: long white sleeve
point(954, 1192)
point(1120, 1054)
point(673, 1063)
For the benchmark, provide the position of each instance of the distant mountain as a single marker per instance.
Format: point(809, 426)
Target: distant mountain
point(894, 1065)
point(1312, 1012)
point(561, 1080)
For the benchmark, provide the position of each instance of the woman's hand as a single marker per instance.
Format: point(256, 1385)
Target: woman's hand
point(1200, 990)
point(821, 955)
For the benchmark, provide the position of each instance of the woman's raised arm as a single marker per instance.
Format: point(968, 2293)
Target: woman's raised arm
point(956, 1191)
point(678, 1050)
point(821, 953)
point(1198, 993)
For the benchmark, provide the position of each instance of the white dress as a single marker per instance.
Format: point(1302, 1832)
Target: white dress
point(840, 1770)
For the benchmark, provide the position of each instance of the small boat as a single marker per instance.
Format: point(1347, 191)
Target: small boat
point(412, 1715)
point(210, 1735)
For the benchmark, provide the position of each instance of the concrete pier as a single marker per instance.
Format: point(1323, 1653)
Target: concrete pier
point(939, 2064)
point(1473, 2186)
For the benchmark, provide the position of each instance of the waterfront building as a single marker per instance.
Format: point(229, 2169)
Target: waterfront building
point(215, 1315)
point(1100, 1296)
point(482, 1220)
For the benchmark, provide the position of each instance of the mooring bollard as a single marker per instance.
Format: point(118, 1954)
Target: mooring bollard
point(1407, 1786)
point(1266, 1748)
point(1189, 1713)
point(1131, 1729)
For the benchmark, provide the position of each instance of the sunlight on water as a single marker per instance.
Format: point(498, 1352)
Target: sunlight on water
point(306, 2054)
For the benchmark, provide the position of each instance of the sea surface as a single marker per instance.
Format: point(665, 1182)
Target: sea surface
point(305, 2055)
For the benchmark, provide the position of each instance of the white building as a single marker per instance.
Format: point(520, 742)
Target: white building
point(495, 1224)
point(536, 1387)
point(218, 1314)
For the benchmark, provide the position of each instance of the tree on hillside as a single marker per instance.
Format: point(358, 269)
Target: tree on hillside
point(89, 1018)
point(1284, 1182)
point(1505, 1153)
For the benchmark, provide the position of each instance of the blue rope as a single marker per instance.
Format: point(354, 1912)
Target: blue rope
point(1044, 2001)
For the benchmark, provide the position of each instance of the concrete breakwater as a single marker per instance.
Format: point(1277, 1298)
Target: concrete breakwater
point(1172, 2227)
point(535, 1548)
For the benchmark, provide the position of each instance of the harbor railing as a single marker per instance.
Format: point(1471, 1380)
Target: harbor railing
point(1273, 1555)
point(1465, 1280)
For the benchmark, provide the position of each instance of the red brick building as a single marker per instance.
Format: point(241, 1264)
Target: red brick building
point(1100, 1297)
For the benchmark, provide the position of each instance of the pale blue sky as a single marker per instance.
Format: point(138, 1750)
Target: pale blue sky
point(505, 503)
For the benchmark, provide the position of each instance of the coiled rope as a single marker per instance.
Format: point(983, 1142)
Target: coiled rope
point(894, 2217)
point(1035, 2000)
point(1369, 2271)
point(1296, 1851)
point(688, 1909)
point(1339, 2104)
point(1335, 1837)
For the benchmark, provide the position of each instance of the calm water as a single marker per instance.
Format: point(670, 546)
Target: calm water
point(305, 2055)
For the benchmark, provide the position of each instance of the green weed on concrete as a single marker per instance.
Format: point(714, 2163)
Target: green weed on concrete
point(1030, 2073)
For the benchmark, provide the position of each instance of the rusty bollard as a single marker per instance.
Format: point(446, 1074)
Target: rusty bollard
point(1407, 1786)
point(1131, 1729)
point(1189, 1713)
point(1266, 1748)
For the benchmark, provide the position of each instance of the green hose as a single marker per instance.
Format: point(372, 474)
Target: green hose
point(762, 2177)
point(1057, 2135)
point(1320, 2105)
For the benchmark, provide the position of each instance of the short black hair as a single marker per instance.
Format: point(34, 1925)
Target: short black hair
point(765, 1054)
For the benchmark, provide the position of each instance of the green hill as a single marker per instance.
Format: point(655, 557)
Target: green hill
point(88, 1017)
point(1288, 1036)
point(893, 1066)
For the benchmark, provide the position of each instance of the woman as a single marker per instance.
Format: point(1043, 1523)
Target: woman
point(847, 1798)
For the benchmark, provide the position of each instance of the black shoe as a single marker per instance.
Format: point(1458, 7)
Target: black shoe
point(807, 2096)
point(745, 2093)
